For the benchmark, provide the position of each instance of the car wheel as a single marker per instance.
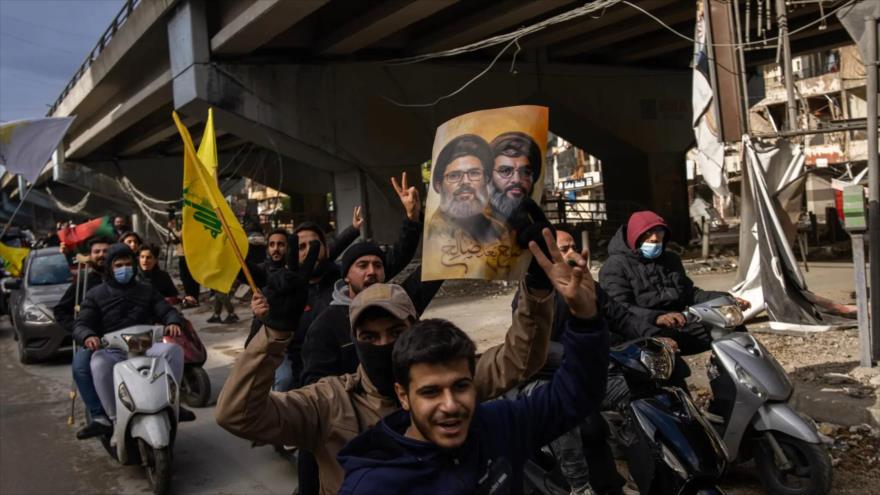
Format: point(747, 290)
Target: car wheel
point(23, 355)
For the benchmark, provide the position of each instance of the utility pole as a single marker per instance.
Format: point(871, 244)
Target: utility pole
point(873, 180)
point(791, 103)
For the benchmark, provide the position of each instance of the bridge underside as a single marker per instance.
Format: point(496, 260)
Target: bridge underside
point(303, 101)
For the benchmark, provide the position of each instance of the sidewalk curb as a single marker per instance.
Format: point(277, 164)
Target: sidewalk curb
point(832, 406)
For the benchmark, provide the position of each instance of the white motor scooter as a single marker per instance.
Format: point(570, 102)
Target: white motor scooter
point(147, 405)
point(750, 409)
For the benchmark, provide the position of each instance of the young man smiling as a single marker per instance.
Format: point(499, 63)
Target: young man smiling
point(322, 417)
point(444, 441)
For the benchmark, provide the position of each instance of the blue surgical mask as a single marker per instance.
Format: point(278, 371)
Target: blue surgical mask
point(651, 250)
point(123, 274)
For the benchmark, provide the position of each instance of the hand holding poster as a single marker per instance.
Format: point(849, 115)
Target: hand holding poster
point(483, 165)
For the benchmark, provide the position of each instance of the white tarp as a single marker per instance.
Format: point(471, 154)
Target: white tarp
point(769, 276)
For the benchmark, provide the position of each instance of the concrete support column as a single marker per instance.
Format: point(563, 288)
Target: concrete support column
point(349, 191)
point(373, 192)
point(189, 49)
point(669, 193)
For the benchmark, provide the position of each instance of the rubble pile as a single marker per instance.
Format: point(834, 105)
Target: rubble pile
point(852, 448)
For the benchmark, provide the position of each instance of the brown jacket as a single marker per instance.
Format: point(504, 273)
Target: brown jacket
point(326, 415)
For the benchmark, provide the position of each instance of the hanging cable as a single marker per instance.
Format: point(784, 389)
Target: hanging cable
point(512, 42)
point(588, 8)
point(514, 37)
point(75, 208)
point(774, 38)
point(129, 186)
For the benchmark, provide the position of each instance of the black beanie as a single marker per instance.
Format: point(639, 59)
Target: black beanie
point(359, 250)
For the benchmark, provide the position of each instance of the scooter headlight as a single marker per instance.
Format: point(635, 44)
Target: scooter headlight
point(125, 397)
point(658, 359)
point(748, 381)
point(733, 316)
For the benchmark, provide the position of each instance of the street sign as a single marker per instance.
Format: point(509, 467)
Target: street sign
point(854, 217)
point(571, 185)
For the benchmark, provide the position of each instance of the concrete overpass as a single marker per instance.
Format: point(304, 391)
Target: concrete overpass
point(302, 84)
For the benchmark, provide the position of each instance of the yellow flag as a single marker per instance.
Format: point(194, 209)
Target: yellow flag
point(208, 147)
point(13, 258)
point(208, 250)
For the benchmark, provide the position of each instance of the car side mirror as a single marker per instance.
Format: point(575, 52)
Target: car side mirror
point(12, 284)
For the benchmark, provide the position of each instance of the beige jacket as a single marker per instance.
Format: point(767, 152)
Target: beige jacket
point(326, 415)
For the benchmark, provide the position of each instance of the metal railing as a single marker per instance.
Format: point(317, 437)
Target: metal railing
point(103, 41)
point(573, 212)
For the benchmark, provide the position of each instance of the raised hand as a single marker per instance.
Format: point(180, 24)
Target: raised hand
point(357, 221)
point(573, 283)
point(409, 197)
point(286, 293)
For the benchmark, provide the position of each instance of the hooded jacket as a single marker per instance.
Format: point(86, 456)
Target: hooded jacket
point(622, 325)
point(502, 434)
point(112, 306)
point(329, 349)
point(322, 417)
point(647, 288)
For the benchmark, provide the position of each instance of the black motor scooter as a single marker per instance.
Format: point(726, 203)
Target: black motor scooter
point(671, 449)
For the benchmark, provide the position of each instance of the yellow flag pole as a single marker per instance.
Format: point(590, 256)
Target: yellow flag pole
point(247, 273)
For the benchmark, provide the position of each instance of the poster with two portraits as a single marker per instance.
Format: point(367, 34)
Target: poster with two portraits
point(482, 166)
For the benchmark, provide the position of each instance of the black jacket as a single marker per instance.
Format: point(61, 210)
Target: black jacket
point(112, 306)
point(623, 326)
point(64, 310)
point(160, 280)
point(329, 349)
point(648, 288)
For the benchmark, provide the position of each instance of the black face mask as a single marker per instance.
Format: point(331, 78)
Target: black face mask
point(376, 360)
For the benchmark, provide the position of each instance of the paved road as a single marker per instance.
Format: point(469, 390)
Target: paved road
point(40, 453)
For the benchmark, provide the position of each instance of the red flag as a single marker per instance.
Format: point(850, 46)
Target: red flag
point(75, 238)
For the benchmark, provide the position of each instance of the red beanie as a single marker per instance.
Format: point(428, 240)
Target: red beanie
point(641, 222)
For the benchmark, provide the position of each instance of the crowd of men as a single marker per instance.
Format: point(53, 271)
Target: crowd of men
point(339, 364)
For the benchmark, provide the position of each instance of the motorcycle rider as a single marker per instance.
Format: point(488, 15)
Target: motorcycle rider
point(444, 440)
point(650, 281)
point(64, 313)
point(323, 416)
point(148, 262)
point(122, 301)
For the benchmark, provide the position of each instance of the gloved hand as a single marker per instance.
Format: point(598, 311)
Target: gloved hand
point(527, 222)
point(287, 291)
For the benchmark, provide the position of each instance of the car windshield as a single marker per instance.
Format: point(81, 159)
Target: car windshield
point(49, 270)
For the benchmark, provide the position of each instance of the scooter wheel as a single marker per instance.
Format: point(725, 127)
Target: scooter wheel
point(810, 472)
point(158, 467)
point(195, 388)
